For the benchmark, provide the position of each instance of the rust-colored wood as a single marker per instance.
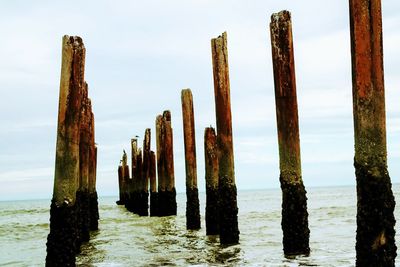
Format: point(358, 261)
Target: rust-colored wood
point(229, 230)
point(375, 239)
point(92, 154)
point(192, 194)
point(211, 158)
point(134, 148)
point(160, 137)
point(295, 229)
point(211, 173)
point(146, 160)
point(134, 181)
point(139, 170)
point(223, 108)
point(285, 96)
point(189, 138)
point(169, 152)
point(66, 177)
point(84, 141)
point(152, 172)
point(71, 208)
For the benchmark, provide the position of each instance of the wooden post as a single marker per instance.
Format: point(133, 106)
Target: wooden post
point(229, 230)
point(212, 197)
point(192, 192)
point(294, 201)
point(83, 192)
point(134, 148)
point(144, 179)
point(125, 177)
point(138, 182)
point(375, 240)
point(160, 137)
point(121, 190)
point(93, 202)
point(169, 165)
point(131, 194)
point(153, 186)
point(61, 241)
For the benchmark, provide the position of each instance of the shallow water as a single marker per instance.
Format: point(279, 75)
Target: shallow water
point(125, 239)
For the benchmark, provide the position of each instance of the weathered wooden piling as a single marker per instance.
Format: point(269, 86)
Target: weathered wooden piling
point(229, 230)
point(294, 201)
point(160, 139)
point(170, 191)
point(93, 202)
point(62, 239)
point(153, 186)
point(82, 194)
point(144, 177)
point(138, 182)
point(212, 196)
point(123, 172)
point(123, 179)
point(131, 194)
point(121, 200)
point(134, 149)
point(192, 192)
point(375, 239)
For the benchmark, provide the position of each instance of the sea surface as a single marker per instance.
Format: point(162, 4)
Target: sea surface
point(125, 239)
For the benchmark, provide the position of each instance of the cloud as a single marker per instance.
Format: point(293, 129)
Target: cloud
point(141, 54)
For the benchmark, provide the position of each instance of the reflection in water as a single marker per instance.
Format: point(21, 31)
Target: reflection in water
point(88, 249)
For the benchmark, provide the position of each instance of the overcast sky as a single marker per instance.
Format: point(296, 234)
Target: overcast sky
point(140, 54)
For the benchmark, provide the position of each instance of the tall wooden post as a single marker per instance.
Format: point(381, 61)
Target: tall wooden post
point(169, 165)
point(84, 161)
point(375, 240)
point(144, 178)
point(125, 178)
point(121, 190)
point(160, 139)
point(61, 241)
point(131, 195)
point(212, 196)
point(153, 186)
point(93, 203)
point(294, 201)
point(138, 182)
point(192, 192)
point(229, 230)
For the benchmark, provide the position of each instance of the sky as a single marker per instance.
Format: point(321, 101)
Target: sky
point(141, 54)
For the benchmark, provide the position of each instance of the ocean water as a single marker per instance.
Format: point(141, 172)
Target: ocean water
point(125, 239)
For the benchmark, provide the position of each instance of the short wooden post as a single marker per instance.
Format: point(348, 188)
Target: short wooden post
point(375, 239)
point(169, 165)
point(153, 186)
point(294, 201)
point(229, 230)
point(61, 241)
point(212, 196)
point(192, 192)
